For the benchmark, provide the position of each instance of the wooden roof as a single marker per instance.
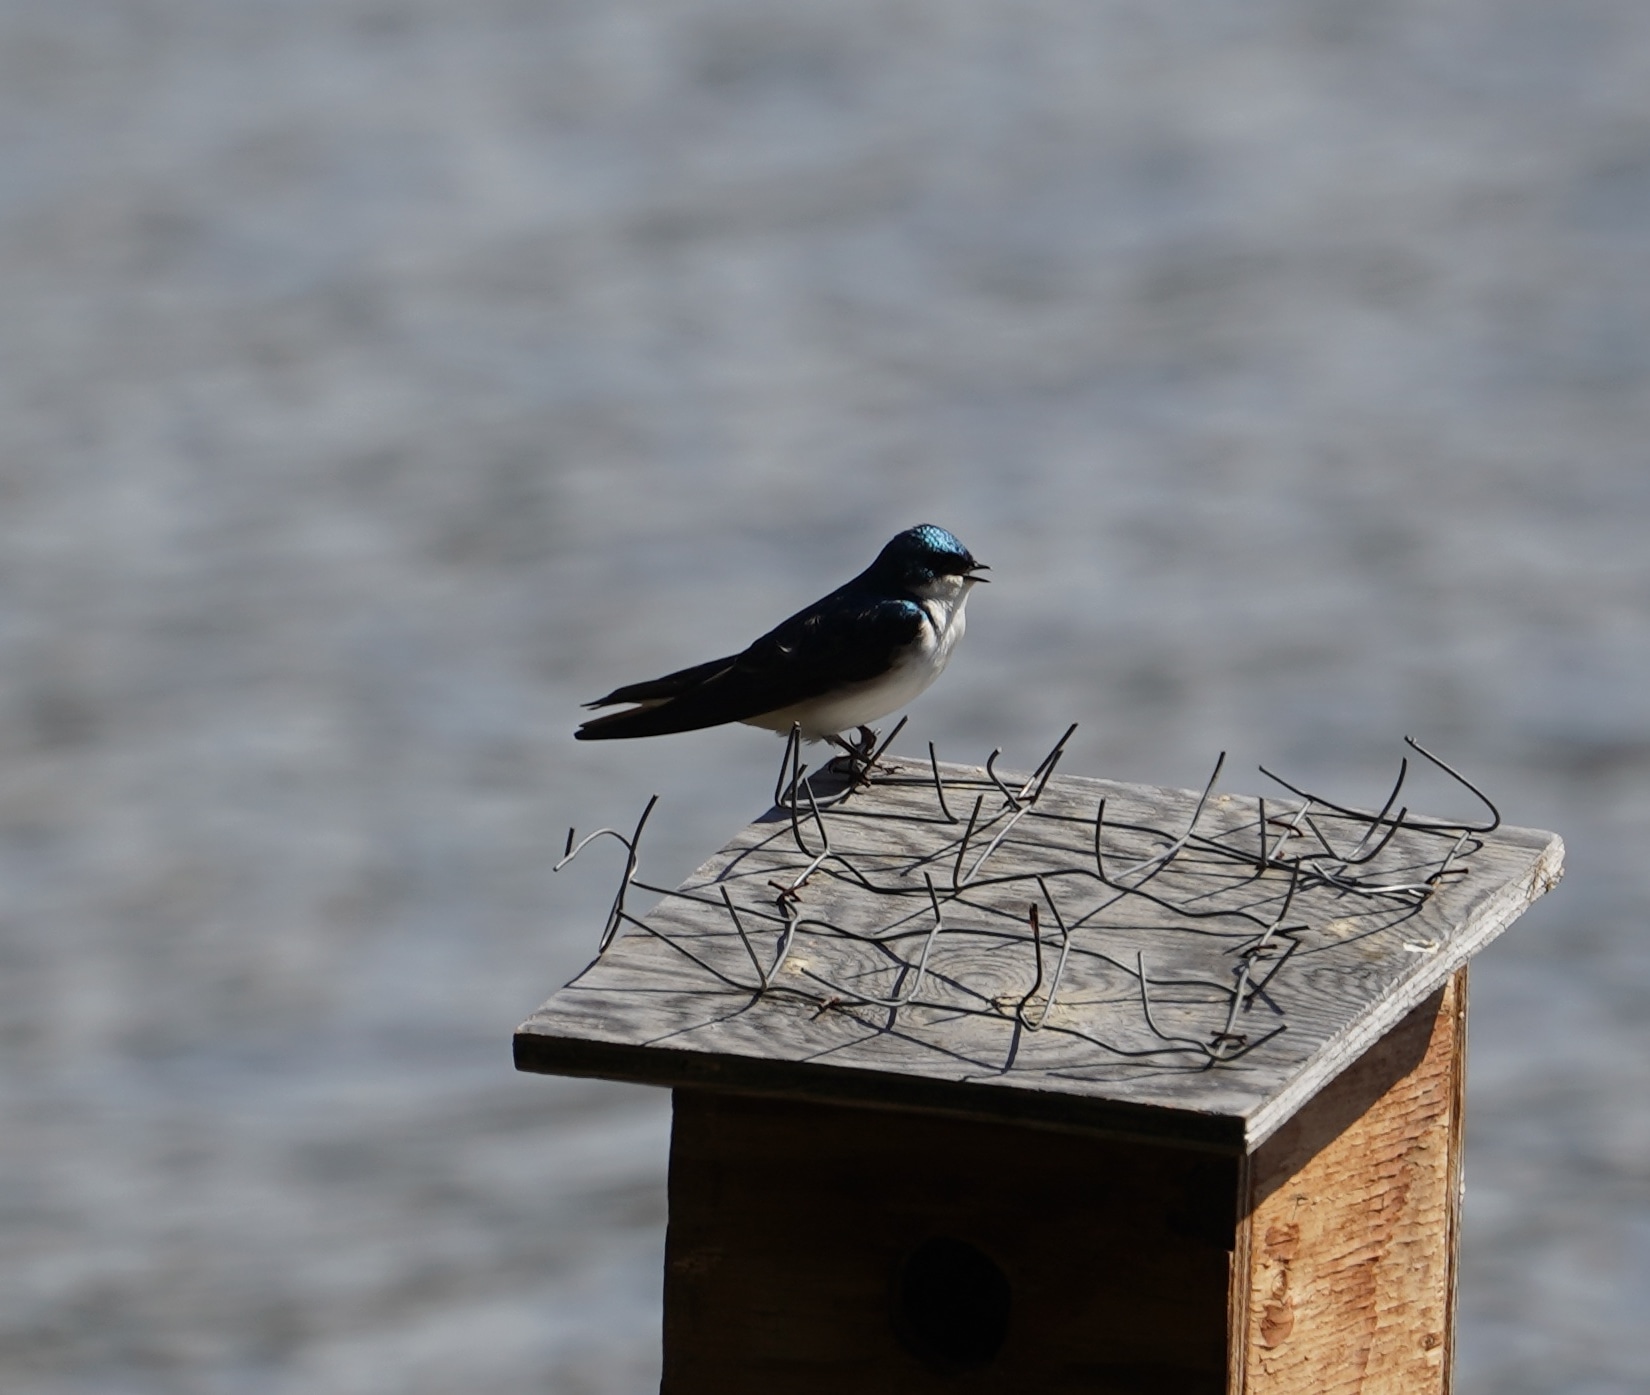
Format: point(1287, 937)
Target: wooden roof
point(1203, 991)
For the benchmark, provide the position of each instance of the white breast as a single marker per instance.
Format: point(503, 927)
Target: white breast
point(943, 622)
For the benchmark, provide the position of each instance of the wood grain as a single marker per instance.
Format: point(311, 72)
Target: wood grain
point(1322, 1262)
point(1350, 1234)
point(676, 1001)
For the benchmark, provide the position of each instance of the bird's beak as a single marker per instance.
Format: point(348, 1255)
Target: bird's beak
point(972, 573)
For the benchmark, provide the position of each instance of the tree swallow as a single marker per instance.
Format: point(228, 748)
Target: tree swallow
point(863, 651)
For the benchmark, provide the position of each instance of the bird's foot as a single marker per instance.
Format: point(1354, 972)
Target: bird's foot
point(858, 754)
point(850, 752)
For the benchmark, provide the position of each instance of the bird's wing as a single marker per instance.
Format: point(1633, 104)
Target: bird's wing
point(830, 645)
point(671, 685)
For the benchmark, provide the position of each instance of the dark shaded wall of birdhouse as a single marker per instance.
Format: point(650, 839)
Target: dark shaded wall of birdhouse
point(383, 378)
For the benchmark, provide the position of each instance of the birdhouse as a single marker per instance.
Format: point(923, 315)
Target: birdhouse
point(1054, 1084)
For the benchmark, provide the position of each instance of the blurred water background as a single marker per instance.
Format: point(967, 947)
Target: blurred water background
point(381, 378)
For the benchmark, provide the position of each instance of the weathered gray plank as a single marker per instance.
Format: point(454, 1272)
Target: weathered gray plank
point(675, 1001)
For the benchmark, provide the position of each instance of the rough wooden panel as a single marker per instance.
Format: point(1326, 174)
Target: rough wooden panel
point(1350, 1238)
point(790, 1222)
point(675, 1001)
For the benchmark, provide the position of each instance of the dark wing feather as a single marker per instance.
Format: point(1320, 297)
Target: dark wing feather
point(846, 638)
point(671, 685)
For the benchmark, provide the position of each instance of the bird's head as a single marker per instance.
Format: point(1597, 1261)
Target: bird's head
point(926, 558)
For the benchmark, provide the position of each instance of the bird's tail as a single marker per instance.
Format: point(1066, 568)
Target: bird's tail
point(657, 719)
